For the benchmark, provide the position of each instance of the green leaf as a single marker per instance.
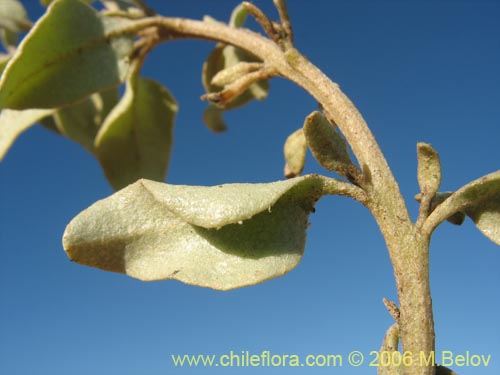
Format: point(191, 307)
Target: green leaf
point(238, 16)
point(295, 153)
point(46, 3)
point(71, 52)
point(328, 147)
point(4, 59)
point(13, 123)
point(213, 118)
point(80, 122)
point(429, 169)
point(480, 200)
point(222, 237)
point(136, 138)
point(13, 16)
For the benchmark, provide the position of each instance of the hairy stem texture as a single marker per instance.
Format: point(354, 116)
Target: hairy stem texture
point(407, 249)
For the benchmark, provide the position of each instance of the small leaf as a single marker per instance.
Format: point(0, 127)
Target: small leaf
point(238, 16)
point(429, 169)
point(136, 138)
point(295, 153)
point(389, 345)
point(224, 57)
point(13, 123)
point(328, 147)
point(220, 237)
point(13, 16)
point(213, 118)
point(234, 72)
point(480, 200)
point(71, 52)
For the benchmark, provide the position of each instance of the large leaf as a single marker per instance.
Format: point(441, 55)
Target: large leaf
point(81, 122)
point(221, 237)
point(487, 216)
point(480, 200)
point(13, 123)
point(70, 53)
point(136, 138)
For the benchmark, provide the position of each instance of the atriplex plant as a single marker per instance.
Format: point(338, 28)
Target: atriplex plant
point(226, 236)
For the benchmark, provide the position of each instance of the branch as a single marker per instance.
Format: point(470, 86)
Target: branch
point(387, 204)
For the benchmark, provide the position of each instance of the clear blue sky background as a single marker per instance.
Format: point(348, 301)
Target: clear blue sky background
point(417, 70)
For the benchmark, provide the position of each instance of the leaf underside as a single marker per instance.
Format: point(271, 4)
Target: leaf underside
point(221, 237)
point(480, 200)
point(70, 53)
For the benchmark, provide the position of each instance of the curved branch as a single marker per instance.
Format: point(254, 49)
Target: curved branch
point(295, 67)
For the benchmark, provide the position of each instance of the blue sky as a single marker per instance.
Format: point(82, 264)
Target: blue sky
point(417, 70)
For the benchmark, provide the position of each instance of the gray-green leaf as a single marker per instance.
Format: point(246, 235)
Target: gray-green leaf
point(224, 57)
point(136, 139)
point(13, 123)
point(328, 147)
point(13, 16)
point(80, 122)
point(487, 216)
point(429, 169)
point(214, 120)
point(480, 200)
point(70, 53)
point(221, 237)
point(295, 153)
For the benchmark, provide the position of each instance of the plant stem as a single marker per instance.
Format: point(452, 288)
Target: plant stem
point(408, 249)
